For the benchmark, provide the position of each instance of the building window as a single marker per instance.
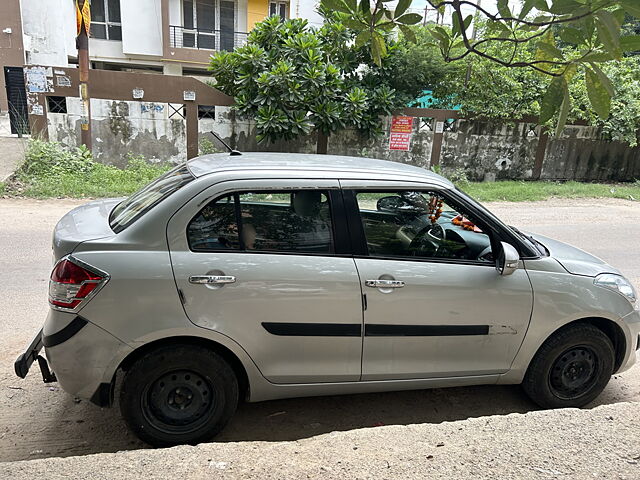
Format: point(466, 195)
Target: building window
point(207, 111)
point(105, 19)
point(280, 9)
point(208, 24)
point(57, 104)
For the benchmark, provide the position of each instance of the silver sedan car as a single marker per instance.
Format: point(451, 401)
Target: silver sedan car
point(262, 276)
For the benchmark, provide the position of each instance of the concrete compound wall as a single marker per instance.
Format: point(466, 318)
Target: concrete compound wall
point(483, 149)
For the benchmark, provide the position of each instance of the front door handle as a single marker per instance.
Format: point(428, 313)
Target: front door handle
point(212, 279)
point(384, 283)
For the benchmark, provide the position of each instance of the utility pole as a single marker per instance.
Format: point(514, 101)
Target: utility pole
point(83, 21)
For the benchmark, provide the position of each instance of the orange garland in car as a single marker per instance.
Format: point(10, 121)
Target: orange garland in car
point(435, 209)
point(466, 224)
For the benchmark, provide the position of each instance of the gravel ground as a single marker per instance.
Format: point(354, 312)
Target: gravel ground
point(575, 444)
point(40, 421)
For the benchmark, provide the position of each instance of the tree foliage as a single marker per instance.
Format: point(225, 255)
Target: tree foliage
point(495, 91)
point(593, 28)
point(294, 79)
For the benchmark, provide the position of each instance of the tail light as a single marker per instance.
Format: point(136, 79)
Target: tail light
point(73, 282)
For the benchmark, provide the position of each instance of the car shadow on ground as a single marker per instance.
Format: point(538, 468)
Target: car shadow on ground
point(82, 428)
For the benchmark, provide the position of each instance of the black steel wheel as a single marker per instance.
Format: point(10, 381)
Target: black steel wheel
point(180, 394)
point(571, 368)
point(574, 372)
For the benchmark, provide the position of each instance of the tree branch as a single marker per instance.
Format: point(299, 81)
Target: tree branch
point(496, 18)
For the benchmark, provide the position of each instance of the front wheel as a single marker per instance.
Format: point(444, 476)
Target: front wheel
point(571, 368)
point(178, 394)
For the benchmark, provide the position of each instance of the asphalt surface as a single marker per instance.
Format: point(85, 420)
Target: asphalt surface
point(39, 421)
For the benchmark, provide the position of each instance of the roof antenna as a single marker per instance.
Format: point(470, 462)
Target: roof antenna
point(232, 152)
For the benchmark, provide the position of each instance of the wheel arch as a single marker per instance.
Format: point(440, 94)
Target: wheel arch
point(105, 394)
point(610, 328)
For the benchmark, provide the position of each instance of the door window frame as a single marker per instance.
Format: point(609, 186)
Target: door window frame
point(359, 239)
point(339, 228)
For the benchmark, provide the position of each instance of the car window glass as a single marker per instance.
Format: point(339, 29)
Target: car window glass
point(420, 224)
point(215, 227)
point(129, 210)
point(287, 221)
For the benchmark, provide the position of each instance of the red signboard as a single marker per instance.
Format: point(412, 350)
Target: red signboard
point(399, 141)
point(401, 124)
point(400, 135)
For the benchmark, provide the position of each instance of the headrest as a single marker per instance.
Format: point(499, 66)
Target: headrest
point(306, 203)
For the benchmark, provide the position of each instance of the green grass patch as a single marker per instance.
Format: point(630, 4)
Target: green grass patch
point(3, 187)
point(50, 170)
point(517, 191)
point(100, 181)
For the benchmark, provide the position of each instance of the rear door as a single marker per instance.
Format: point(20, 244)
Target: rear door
point(266, 263)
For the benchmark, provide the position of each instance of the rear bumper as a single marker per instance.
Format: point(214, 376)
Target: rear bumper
point(82, 355)
point(32, 353)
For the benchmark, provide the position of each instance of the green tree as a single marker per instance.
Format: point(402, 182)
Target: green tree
point(592, 27)
point(294, 80)
point(413, 67)
point(495, 91)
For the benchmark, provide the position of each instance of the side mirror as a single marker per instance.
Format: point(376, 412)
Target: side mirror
point(508, 259)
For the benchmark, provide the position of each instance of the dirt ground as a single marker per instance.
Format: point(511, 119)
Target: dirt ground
point(39, 421)
point(556, 444)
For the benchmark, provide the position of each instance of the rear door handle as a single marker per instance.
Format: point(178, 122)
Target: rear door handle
point(384, 283)
point(212, 279)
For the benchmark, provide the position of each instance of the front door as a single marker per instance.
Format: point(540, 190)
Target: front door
point(263, 263)
point(435, 305)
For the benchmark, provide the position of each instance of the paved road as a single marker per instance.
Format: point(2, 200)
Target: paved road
point(38, 420)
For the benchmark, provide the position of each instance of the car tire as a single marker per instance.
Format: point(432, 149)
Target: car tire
point(179, 394)
point(571, 368)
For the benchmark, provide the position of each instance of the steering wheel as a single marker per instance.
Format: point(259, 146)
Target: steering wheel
point(430, 236)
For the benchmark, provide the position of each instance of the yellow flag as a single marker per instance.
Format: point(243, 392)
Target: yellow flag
point(86, 16)
point(78, 19)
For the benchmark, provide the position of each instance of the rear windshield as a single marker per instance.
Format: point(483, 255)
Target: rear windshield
point(131, 209)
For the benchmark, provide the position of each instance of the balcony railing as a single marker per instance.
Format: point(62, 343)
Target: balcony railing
point(205, 39)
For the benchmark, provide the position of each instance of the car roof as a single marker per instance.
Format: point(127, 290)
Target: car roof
point(297, 162)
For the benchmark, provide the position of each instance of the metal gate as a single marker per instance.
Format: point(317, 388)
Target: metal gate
point(17, 96)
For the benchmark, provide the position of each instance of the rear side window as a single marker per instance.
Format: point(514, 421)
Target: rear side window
point(134, 207)
point(286, 221)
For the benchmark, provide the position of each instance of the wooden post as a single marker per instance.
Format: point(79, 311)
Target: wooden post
point(541, 150)
point(192, 129)
point(82, 42)
point(322, 143)
point(436, 147)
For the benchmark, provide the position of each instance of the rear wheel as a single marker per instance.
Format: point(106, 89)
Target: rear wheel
point(571, 368)
point(178, 394)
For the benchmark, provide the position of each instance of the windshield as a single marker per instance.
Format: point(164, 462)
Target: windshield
point(131, 209)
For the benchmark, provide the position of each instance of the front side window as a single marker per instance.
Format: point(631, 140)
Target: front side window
point(105, 19)
point(284, 221)
point(420, 224)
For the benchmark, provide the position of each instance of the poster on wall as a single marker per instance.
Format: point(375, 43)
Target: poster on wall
point(36, 78)
point(400, 134)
